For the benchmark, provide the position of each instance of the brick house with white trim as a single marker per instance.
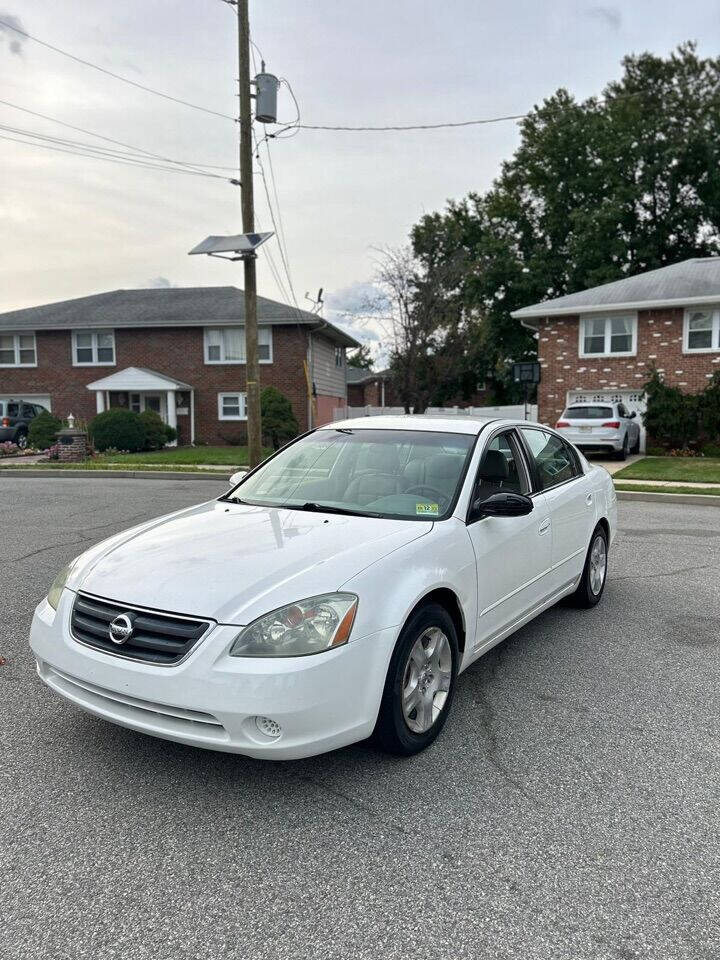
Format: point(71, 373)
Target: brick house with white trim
point(179, 351)
point(600, 344)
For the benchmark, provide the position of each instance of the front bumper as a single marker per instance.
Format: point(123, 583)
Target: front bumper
point(211, 700)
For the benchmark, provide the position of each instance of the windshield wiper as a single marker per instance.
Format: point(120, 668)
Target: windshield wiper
point(326, 508)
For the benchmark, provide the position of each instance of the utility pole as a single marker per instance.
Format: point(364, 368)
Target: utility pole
point(252, 367)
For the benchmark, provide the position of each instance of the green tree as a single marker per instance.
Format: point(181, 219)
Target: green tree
point(596, 191)
point(279, 425)
point(117, 429)
point(43, 430)
point(360, 358)
point(157, 432)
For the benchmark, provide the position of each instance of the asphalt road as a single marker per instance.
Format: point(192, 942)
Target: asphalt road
point(569, 810)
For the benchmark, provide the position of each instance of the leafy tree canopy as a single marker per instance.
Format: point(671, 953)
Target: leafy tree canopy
point(596, 191)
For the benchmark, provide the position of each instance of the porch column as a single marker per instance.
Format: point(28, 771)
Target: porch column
point(171, 414)
point(100, 400)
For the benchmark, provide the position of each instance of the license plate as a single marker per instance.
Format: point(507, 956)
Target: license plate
point(585, 429)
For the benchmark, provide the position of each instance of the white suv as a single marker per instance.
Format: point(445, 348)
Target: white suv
point(601, 427)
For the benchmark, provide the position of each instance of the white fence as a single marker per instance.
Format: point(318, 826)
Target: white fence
point(514, 412)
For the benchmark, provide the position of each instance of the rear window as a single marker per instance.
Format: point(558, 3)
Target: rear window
point(13, 410)
point(587, 413)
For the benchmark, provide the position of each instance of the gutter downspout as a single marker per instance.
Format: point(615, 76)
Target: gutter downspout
point(192, 417)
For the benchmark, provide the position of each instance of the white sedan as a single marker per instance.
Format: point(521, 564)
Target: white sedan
point(336, 592)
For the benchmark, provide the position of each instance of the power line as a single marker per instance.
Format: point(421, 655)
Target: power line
point(139, 162)
point(92, 150)
point(119, 143)
point(115, 76)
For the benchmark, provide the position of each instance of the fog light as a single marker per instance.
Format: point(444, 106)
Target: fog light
point(268, 727)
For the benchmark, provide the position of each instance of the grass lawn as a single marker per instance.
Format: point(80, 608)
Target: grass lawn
point(230, 456)
point(648, 488)
point(104, 465)
point(690, 469)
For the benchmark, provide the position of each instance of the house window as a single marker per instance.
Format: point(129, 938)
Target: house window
point(93, 348)
point(608, 336)
point(702, 330)
point(227, 345)
point(339, 356)
point(231, 406)
point(18, 350)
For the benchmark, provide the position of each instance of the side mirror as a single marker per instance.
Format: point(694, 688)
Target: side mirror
point(632, 415)
point(236, 478)
point(503, 505)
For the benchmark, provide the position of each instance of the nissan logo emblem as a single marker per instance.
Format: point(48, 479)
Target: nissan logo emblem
point(121, 629)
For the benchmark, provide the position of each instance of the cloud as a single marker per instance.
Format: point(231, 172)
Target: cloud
point(611, 16)
point(14, 40)
point(360, 298)
point(160, 283)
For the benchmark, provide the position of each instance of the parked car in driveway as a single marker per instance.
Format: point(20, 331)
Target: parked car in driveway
point(336, 592)
point(601, 427)
point(15, 419)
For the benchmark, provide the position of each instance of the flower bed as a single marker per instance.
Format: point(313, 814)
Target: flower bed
point(10, 449)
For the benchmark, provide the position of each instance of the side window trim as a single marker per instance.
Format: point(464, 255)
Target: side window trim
point(516, 442)
point(535, 474)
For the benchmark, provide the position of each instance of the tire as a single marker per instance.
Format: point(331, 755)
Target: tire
point(417, 679)
point(623, 452)
point(590, 589)
point(636, 446)
point(21, 439)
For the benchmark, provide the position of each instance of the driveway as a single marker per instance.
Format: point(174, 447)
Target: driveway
point(569, 810)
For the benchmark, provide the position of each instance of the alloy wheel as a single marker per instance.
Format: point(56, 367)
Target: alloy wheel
point(426, 680)
point(598, 564)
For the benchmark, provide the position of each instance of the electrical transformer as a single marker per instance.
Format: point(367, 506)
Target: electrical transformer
point(266, 93)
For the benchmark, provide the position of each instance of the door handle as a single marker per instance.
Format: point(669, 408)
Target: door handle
point(588, 499)
point(544, 526)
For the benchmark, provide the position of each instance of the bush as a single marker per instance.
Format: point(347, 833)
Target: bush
point(43, 430)
point(672, 417)
point(279, 425)
point(157, 433)
point(710, 411)
point(711, 450)
point(118, 428)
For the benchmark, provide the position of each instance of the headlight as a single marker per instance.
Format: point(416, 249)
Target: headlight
point(298, 629)
point(58, 584)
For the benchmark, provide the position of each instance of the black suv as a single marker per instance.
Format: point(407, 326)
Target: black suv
point(15, 417)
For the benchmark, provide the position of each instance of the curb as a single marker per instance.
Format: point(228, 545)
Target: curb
point(118, 474)
point(707, 500)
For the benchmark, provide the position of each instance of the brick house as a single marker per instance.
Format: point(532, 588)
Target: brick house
point(600, 344)
point(369, 388)
point(179, 351)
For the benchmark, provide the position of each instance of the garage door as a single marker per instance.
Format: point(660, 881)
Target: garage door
point(631, 398)
point(42, 398)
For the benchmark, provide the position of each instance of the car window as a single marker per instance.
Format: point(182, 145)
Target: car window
point(502, 468)
point(588, 413)
point(12, 410)
point(395, 473)
point(28, 412)
point(554, 459)
point(622, 410)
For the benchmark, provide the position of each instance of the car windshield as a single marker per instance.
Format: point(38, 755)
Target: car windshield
point(588, 413)
point(403, 474)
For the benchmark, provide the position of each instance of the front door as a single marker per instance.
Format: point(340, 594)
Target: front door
point(568, 491)
point(513, 554)
point(140, 402)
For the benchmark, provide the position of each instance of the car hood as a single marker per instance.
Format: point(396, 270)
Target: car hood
point(233, 562)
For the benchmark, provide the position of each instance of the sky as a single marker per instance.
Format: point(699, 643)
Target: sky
point(72, 226)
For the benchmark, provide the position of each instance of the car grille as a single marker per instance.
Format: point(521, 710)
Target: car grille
point(160, 638)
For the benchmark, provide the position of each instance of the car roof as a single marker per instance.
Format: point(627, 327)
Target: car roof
point(426, 422)
point(592, 403)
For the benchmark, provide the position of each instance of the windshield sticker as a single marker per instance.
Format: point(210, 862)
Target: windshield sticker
point(426, 509)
